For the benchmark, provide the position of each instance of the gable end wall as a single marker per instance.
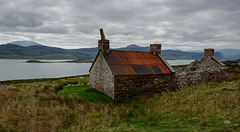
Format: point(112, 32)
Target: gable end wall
point(101, 78)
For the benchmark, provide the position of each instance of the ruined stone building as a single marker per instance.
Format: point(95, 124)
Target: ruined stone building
point(127, 74)
point(208, 68)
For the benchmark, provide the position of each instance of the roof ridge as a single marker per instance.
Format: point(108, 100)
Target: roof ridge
point(129, 51)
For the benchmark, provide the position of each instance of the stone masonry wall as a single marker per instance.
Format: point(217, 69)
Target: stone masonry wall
point(101, 78)
point(137, 85)
point(201, 71)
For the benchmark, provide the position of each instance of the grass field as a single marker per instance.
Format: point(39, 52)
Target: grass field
point(69, 105)
point(85, 93)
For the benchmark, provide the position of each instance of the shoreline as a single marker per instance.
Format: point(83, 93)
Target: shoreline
point(7, 82)
point(17, 81)
point(67, 61)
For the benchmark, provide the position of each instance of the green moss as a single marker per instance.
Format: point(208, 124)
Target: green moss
point(85, 93)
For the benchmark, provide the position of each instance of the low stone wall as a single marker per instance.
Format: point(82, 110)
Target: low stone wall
point(135, 85)
point(191, 78)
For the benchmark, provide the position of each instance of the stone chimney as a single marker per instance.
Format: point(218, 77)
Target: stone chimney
point(103, 44)
point(208, 52)
point(155, 49)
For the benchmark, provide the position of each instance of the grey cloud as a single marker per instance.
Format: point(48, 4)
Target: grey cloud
point(24, 19)
point(184, 24)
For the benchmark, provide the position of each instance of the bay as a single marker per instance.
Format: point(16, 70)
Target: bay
point(11, 69)
point(179, 62)
point(14, 69)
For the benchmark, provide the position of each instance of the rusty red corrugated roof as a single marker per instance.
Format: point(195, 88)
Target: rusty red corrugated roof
point(135, 63)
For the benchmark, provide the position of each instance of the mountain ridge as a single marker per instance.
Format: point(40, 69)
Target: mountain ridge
point(25, 43)
point(12, 51)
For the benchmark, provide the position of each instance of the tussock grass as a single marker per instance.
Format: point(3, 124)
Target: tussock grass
point(38, 107)
point(67, 105)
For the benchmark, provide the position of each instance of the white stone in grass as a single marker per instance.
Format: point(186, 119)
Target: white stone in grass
point(82, 77)
point(227, 122)
point(235, 124)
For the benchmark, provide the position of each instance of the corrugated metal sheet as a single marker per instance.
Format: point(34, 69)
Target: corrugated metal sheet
point(135, 63)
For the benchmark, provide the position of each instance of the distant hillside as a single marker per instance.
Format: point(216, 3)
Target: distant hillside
point(13, 51)
point(24, 43)
point(172, 54)
point(231, 54)
point(134, 47)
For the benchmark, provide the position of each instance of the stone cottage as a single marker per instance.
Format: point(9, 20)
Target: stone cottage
point(127, 74)
point(208, 68)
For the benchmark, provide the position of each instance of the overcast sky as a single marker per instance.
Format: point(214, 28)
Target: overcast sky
point(177, 24)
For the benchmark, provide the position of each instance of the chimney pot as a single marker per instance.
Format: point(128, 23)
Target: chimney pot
point(103, 44)
point(208, 52)
point(155, 49)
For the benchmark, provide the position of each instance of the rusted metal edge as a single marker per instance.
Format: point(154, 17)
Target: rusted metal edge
point(166, 63)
